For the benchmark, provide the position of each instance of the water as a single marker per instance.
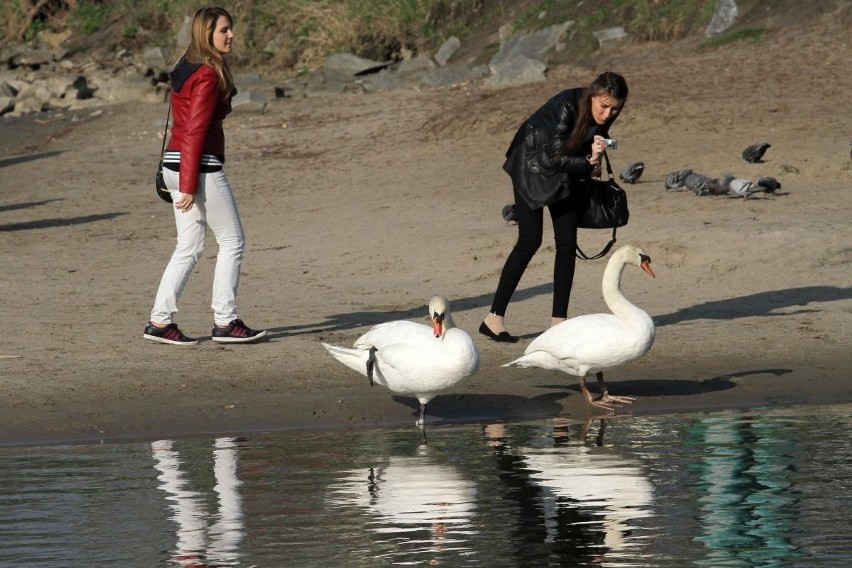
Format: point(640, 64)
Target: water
point(736, 489)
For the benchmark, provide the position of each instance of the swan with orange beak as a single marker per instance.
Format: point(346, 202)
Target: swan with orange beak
point(414, 359)
point(591, 343)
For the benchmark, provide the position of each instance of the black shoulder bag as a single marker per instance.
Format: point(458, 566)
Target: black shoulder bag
point(159, 183)
point(606, 208)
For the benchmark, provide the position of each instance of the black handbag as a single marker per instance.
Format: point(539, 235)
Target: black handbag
point(159, 183)
point(606, 208)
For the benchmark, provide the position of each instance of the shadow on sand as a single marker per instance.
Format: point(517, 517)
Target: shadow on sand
point(760, 304)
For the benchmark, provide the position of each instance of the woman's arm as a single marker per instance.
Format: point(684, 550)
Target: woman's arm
point(560, 113)
point(204, 95)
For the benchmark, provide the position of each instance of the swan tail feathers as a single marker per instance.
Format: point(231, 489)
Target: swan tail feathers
point(536, 359)
point(519, 362)
point(355, 359)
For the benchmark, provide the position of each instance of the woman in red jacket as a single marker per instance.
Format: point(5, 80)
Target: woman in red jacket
point(202, 87)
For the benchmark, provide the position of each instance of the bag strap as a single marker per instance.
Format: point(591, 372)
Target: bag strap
point(580, 254)
point(166, 130)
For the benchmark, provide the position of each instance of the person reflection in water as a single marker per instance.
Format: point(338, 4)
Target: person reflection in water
point(200, 545)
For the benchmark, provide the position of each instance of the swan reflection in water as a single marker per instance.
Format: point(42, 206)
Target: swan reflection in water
point(200, 544)
point(429, 506)
point(588, 495)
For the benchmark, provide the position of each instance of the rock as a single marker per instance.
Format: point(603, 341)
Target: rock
point(7, 104)
point(415, 65)
point(723, 18)
point(183, 35)
point(452, 75)
point(6, 89)
point(27, 105)
point(350, 65)
point(446, 50)
point(249, 101)
point(124, 89)
point(35, 58)
point(610, 36)
point(517, 71)
point(382, 81)
point(532, 46)
point(156, 58)
point(247, 79)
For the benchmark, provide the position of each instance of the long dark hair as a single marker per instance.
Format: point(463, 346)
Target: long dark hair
point(607, 83)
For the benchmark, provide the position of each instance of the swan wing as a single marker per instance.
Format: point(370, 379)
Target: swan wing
point(587, 344)
point(392, 332)
point(409, 359)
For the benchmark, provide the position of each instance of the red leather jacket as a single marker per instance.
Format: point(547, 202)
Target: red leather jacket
point(198, 108)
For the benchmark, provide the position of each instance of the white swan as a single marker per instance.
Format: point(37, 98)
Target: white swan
point(594, 342)
point(412, 358)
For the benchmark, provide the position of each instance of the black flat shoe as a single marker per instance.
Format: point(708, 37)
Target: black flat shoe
point(502, 337)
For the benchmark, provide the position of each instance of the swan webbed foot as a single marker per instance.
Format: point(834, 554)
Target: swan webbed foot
point(607, 398)
point(602, 404)
point(611, 399)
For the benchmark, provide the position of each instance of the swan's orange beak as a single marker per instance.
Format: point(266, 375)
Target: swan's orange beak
point(646, 266)
point(438, 325)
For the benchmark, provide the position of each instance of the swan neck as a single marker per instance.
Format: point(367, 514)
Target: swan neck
point(448, 321)
point(611, 287)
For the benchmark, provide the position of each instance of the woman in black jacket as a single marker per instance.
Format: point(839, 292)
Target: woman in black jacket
point(554, 151)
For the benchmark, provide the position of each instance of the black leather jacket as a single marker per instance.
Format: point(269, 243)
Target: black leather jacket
point(536, 175)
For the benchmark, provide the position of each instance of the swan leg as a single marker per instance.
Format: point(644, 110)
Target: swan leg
point(608, 398)
point(422, 420)
point(371, 364)
point(588, 396)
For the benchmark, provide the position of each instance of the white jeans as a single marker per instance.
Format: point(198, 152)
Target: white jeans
point(214, 207)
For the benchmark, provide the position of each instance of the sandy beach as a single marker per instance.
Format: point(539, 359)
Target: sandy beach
point(359, 207)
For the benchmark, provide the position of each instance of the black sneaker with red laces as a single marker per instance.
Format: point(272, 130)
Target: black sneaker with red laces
point(236, 332)
point(170, 334)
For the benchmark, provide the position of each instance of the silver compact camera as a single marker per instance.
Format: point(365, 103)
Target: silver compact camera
point(610, 143)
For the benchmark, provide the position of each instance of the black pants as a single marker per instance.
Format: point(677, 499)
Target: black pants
point(565, 216)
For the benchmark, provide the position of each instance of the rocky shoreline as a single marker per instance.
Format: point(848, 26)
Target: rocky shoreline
point(44, 78)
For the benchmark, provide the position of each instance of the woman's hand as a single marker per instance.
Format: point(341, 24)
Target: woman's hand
point(597, 149)
point(185, 203)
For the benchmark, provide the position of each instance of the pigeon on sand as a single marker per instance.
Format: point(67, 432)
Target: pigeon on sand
point(770, 183)
point(632, 172)
point(509, 213)
point(754, 153)
point(675, 180)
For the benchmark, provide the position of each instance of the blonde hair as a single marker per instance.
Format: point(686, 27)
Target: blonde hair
point(201, 50)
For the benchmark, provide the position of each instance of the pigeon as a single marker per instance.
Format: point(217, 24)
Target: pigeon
point(699, 183)
point(676, 179)
point(632, 173)
point(743, 188)
point(509, 213)
point(754, 153)
point(721, 185)
point(770, 183)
